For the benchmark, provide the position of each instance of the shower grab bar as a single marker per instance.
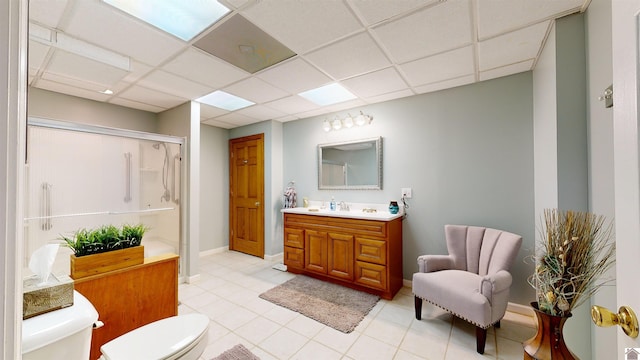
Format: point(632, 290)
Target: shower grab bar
point(45, 207)
point(102, 213)
point(127, 195)
point(174, 196)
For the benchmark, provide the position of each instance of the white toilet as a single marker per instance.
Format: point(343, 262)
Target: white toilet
point(61, 334)
point(181, 337)
point(66, 334)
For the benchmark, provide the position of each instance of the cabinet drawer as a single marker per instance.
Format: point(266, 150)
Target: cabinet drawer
point(294, 238)
point(371, 250)
point(294, 257)
point(371, 275)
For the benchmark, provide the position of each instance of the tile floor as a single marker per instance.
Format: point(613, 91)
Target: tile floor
point(228, 288)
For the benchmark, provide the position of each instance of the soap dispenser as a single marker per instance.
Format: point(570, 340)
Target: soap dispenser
point(332, 204)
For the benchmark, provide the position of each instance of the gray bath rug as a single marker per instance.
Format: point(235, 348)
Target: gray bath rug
point(336, 306)
point(238, 352)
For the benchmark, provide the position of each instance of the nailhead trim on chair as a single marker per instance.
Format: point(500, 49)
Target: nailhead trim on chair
point(457, 315)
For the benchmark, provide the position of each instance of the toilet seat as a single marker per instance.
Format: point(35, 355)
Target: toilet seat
point(169, 338)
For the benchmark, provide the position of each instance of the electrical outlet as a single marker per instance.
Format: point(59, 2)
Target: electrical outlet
point(406, 193)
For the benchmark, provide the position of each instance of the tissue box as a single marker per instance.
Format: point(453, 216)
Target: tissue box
point(56, 294)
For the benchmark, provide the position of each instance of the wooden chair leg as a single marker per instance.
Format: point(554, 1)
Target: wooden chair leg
point(418, 305)
point(481, 339)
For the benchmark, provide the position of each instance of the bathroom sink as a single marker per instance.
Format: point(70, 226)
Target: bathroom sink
point(354, 213)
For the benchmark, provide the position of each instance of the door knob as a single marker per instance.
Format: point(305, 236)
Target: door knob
point(625, 317)
point(257, 203)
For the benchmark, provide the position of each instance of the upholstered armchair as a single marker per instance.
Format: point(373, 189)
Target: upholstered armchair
point(473, 281)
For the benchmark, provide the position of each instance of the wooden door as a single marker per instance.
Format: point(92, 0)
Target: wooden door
point(340, 256)
point(315, 254)
point(246, 195)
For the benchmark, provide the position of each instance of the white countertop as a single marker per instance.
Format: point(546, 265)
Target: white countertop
point(356, 211)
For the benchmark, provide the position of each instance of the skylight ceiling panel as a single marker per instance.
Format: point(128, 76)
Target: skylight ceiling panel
point(447, 84)
point(172, 84)
point(512, 47)
point(292, 105)
point(47, 12)
point(205, 69)
point(102, 24)
point(136, 105)
point(506, 70)
point(376, 83)
point(350, 57)
point(261, 112)
point(306, 24)
point(497, 17)
point(84, 69)
point(256, 90)
point(375, 11)
point(449, 65)
point(294, 76)
point(430, 31)
point(152, 97)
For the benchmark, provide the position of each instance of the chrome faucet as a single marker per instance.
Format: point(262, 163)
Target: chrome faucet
point(343, 206)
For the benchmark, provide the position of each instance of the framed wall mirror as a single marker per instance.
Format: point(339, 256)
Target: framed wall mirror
point(350, 165)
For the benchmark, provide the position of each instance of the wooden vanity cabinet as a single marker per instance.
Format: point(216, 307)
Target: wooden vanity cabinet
point(362, 254)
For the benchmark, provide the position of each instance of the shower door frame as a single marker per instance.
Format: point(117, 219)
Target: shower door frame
point(138, 135)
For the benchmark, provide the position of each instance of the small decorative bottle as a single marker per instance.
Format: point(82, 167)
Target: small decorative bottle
point(393, 207)
point(332, 204)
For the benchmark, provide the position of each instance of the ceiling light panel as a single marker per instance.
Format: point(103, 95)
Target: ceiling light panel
point(328, 94)
point(183, 19)
point(224, 100)
point(242, 44)
point(438, 28)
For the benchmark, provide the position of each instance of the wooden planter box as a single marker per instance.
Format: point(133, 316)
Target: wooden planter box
point(88, 265)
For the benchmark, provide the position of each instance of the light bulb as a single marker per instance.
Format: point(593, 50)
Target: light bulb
point(336, 124)
point(326, 126)
point(360, 120)
point(348, 121)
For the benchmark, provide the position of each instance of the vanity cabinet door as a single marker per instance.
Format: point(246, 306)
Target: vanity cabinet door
point(371, 275)
point(340, 256)
point(294, 257)
point(315, 256)
point(294, 238)
point(371, 250)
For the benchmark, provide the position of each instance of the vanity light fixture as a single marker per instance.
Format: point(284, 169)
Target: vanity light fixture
point(346, 123)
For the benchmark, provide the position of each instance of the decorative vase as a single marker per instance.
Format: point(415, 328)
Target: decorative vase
point(393, 207)
point(548, 343)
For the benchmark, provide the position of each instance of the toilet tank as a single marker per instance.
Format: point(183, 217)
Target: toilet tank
point(62, 334)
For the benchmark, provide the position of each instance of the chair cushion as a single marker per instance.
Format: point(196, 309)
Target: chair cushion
point(456, 291)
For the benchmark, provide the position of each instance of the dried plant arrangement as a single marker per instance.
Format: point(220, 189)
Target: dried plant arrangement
point(577, 249)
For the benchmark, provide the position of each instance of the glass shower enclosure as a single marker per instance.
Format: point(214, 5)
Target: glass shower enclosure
point(84, 176)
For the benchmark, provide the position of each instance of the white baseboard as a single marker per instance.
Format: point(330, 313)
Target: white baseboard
point(275, 258)
point(214, 251)
point(192, 279)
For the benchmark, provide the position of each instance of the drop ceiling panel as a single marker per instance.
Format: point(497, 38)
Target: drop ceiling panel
point(256, 90)
point(236, 119)
point(438, 28)
point(294, 76)
point(71, 90)
point(151, 97)
point(137, 105)
point(203, 68)
point(447, 84)
point(218, 123)
point(506, 70)
point(376, 83)
point(81, 68)
point(512, 48)
point(80, 84)
point(37, 55)
point(102, 24)
point(261, 112)
point(390, 96)
point(497, 17)
point(437, 68)
point(375, 11)
point(303, 25)
point(208, 111)
point(47, 12)
point(172, 84)
point(353, 56)
point(137, 70)
point(292, 105)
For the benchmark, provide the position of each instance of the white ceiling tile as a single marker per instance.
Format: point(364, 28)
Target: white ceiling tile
point(47, 12)
point(37, 55)
point(137, 70)
point(506, 70)
point(208, 111)
point(390, 96)
point(172, 84)
point(440, 67)
point(292, 105)
point(261, 112)
point(81, 68)
point(70, 90)
point(344, 105)
point(236, 119)
point(511, 48)
point(61, 79)
point(464, 80)
point(136, 105)
point(430, 31)
point(99, 23)
point(303, 25)
point(376, 83)
point(294, 76)
point(234, 4)
point(205, 69)
point(256, 90)
point(219, 124)
point(152, 97)
point(498, 16)
point(287, 118)
point(374, 11)
point(353, 56)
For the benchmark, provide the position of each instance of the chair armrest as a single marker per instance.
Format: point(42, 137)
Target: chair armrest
point(495, 283)
point(431, 263)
